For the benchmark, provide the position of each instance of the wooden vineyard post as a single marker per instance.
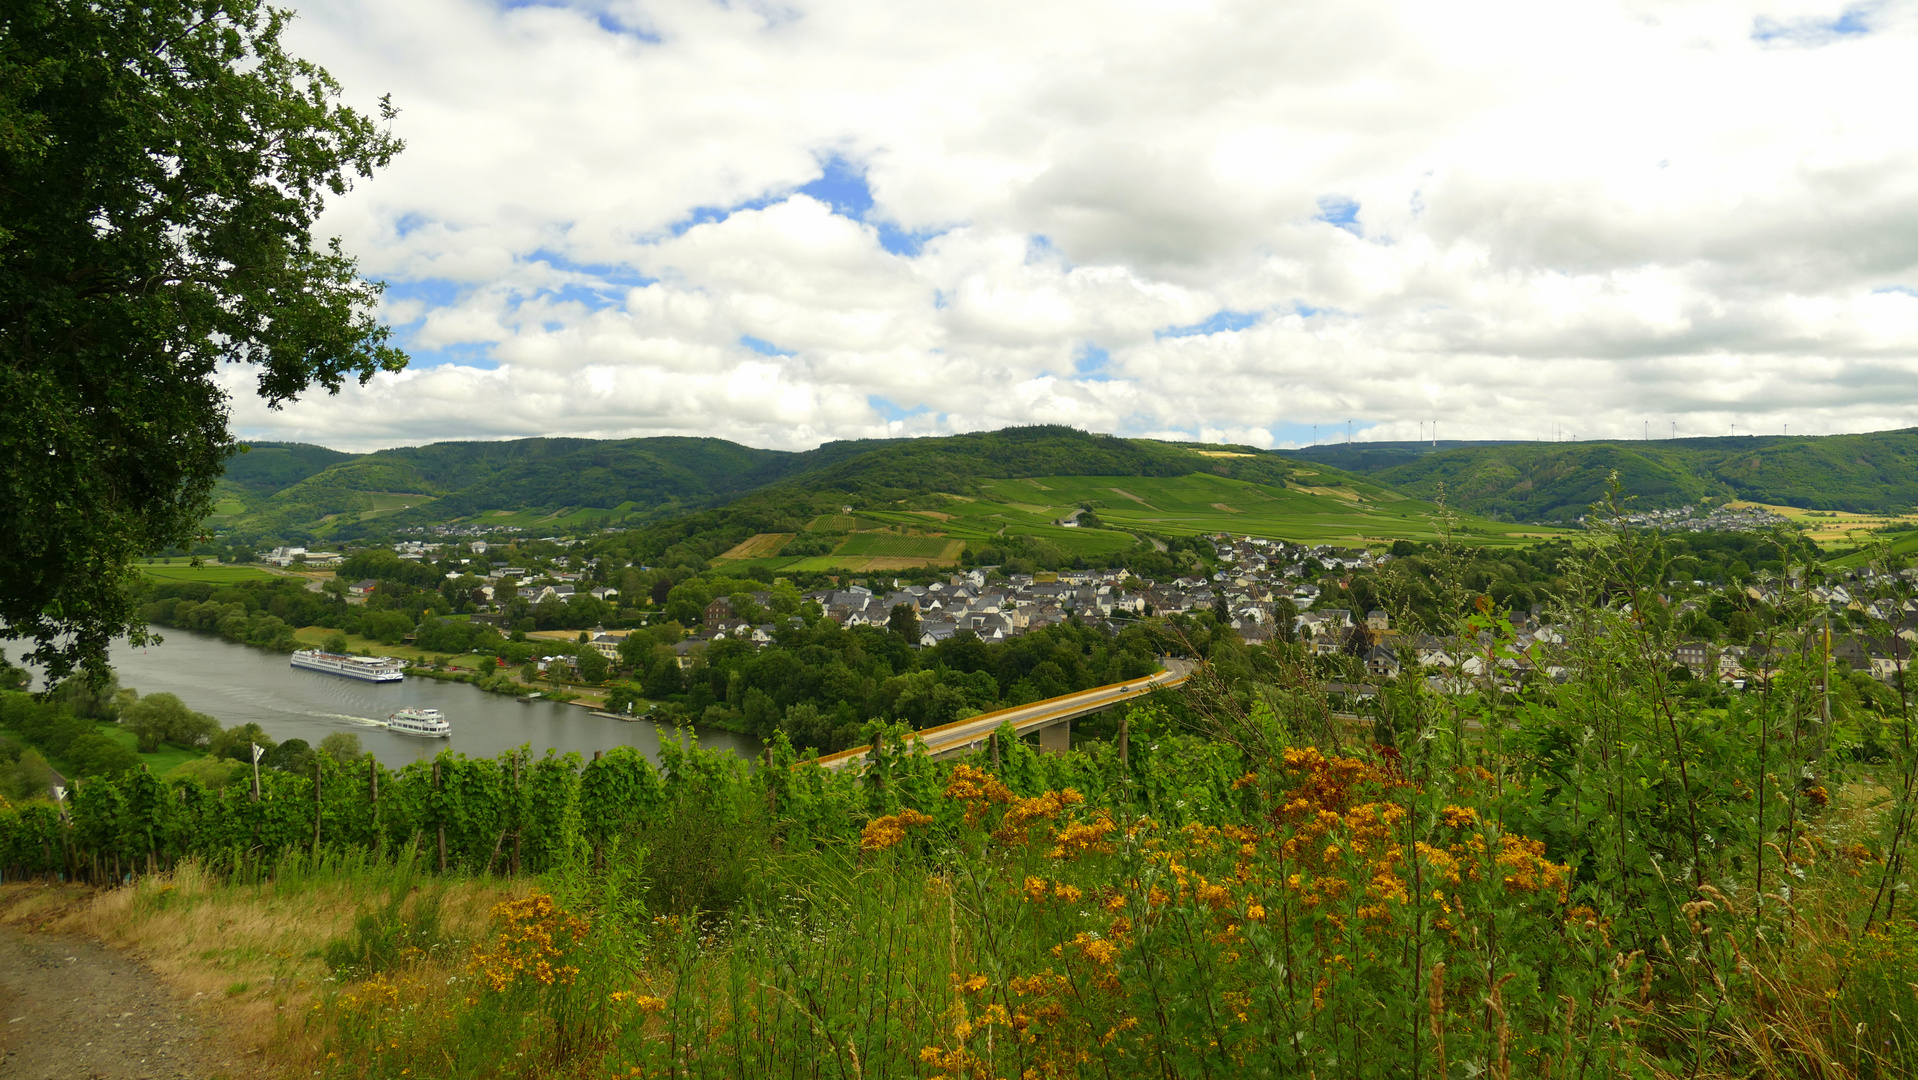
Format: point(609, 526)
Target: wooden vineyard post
point(441, 816)
point(316, 808)
point(518, 826)
point(1125, 721)
point(995, 751)
point(599, 852)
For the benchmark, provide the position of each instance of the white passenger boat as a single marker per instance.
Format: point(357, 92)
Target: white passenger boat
point(426, 723)
point(370, 668)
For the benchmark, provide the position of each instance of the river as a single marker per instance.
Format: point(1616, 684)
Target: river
point(238, 684)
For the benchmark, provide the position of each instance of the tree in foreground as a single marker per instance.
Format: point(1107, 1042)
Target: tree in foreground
point(161, 168)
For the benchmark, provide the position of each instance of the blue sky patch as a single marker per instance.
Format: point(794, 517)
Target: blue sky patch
point(1854, 21)
point(597, 14)
point(1092, 362)
point(478, 354)
point(1219, 322)
point(891, 411)
point(763, 348)
point(1904, 290)
point(433, 292)
point(842, 186)
point(1342, 212)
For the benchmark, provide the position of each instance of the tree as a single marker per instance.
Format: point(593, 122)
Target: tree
point(158, 718)
point(161, 168)
point(593, 666)
point(235, 742)
point(100, 754)
point(342, 746)
point(904, 621)
point(12, 677)
point(335, 643)
point(293, 755)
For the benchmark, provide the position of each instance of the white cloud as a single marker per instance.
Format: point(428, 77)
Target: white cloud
point(1505, 217)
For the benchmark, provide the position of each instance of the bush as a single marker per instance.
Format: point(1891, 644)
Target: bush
point(163, 717)
point(100, 754)
point(212, 772)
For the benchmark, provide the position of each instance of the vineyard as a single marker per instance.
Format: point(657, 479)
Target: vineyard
point(893, 546)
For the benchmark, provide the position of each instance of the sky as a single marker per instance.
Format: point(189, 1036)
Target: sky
point(1266, 222)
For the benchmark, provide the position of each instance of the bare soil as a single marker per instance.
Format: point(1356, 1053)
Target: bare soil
point(71, 1007)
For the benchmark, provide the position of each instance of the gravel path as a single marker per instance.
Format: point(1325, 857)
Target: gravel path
point(72, 1008)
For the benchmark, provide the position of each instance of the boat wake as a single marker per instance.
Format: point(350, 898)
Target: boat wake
point(365, 720)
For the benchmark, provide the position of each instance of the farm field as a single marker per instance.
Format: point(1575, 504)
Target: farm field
point(764, 545)
point(212, 574)
point(894, 546)
point(1828, 527)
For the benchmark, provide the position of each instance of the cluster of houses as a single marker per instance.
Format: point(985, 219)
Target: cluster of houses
point(1718, 519)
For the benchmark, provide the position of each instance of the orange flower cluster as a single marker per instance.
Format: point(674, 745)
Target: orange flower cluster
point(533, 933)
point(1527, 870)
point(1081, 837)
point(883, 832)
point(978, 789)
point(645, 1003)
point(1024, 813)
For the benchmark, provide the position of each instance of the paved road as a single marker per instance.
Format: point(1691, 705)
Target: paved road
point(965, 734)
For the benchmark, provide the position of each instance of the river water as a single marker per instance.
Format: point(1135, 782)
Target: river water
point(238, 684)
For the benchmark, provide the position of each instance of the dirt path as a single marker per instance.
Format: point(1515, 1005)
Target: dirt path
point(72, 1008)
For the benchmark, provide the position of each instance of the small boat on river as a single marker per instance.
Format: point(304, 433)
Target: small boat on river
point(426, 723)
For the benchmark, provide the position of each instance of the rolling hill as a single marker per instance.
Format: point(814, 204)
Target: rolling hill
point(977, 487)
point(1870, 473)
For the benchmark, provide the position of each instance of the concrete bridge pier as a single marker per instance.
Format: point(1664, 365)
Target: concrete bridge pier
point(1056, 738)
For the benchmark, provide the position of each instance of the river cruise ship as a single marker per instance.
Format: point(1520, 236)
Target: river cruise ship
point(426, 723)
point(370, 668)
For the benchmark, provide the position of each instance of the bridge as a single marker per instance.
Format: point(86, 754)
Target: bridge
point(1051, 718)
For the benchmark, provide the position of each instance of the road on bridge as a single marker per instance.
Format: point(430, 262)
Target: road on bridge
point(970, 733)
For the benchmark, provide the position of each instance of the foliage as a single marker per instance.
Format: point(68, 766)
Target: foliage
point(158, 718)
point(1530, 481)
point(162, 169)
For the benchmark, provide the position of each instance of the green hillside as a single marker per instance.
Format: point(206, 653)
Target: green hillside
point(526, 481)
point(1876, 472)
point(263, 468)
point(972, 488)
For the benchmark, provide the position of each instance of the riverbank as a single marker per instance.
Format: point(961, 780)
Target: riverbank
point(240, 684)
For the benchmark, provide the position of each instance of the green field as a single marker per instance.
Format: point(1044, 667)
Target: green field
point(1199, 503)
point(892, 546)
point(180, 570)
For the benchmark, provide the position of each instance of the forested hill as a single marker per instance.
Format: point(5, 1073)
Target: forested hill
point(458, 479)
point(644, 480)
point(265, 467)
point(955, 463)
point(1875, 472)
